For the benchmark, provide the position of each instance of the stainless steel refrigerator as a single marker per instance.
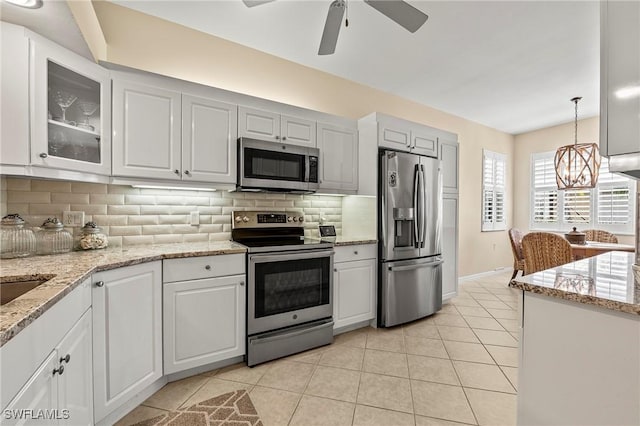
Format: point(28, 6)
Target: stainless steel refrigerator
point(410, 235)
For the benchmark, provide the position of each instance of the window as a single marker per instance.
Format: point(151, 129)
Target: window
point(494, 176)
point(609, 206)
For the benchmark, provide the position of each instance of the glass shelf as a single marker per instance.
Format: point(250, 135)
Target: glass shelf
point(74, 128)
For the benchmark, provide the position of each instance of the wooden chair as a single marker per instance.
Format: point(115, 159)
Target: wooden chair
point(600, 236)
point(544, 250)
point(515, 237)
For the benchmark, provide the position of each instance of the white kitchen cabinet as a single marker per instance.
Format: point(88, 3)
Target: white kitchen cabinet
point(450, 246)
point(63, 382)
point(402, 135)
point(272, 126)
point(423, 142)
point(449, 157)
point(620, 77)
point(127, 334)
point(338, 158)
point(165, 134)
point(354, 285)
point(70, 110)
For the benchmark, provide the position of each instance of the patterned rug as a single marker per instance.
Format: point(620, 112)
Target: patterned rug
point(229, 409)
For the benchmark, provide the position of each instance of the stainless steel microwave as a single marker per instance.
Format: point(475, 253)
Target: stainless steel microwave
point(276, 166)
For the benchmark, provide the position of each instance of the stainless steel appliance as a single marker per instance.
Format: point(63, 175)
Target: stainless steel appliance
point(290, 285)
point(275, 166)
point(410, 234)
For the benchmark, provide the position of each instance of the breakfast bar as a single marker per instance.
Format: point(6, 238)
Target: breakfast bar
point(580, 343)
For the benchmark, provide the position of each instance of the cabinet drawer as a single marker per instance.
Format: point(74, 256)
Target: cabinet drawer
point(356, 252)
point(194, 268)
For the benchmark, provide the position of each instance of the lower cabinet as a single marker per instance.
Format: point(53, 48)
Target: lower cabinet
point(127, 333)
point(203, 310)
point(450, 246)
point(61, 390)
point(354, 285)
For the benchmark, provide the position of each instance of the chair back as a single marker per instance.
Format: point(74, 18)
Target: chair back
point(515, 237)
point(600, 236)
point(544, 250)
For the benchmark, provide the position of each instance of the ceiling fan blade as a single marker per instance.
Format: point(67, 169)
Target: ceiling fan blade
point(332, 28)
point(251, 3)
point(401, 12)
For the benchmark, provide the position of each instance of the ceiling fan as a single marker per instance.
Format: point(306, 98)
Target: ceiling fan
point(398, 11)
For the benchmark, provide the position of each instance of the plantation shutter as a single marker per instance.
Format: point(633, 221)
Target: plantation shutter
point(494, 176)
point(545, 192)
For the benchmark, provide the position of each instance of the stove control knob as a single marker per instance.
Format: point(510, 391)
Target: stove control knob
point(295, 219)
point(245, 219)
point(238, 219)
point(301, 219)
point(289, 219)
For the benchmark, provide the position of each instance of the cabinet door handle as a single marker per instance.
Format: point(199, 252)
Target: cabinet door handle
point(186, 172)
point(100, 284)
point(58, 370)
point(66, 359)
point(176, 171)
point(208, 267)
point(43, 155)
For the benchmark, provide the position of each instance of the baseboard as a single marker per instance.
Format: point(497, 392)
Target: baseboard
point(498, 270)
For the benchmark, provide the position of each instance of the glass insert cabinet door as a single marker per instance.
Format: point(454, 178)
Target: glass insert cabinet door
point(70, 111)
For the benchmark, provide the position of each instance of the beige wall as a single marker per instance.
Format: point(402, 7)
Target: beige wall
point(544, 140)
point(144, 42)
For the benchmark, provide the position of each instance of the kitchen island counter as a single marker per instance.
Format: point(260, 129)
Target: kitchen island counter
point(580, 343)
point(71, 269)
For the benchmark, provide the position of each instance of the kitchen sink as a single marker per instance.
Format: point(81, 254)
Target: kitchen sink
point(12, 287)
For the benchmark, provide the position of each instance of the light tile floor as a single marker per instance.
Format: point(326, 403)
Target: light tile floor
point(458, 366)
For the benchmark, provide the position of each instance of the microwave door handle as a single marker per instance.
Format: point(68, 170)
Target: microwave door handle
point(416, 216)
point(307, 169)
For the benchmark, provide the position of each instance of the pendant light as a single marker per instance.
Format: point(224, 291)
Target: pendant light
point(577, 165)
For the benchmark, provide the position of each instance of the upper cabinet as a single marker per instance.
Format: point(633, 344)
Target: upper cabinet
point(161, 133)
point(403, 135)
point(272, 126)
point(620, 78)
point(449, 157)
point(70, 110)
point(338, 158)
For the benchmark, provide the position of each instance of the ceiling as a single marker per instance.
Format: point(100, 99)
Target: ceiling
point(510, 65)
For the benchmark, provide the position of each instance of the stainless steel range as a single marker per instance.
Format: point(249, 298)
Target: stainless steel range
point(290, 285)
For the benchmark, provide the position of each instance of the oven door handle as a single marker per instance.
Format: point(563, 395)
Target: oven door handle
point(261, 258)
point(285, 335)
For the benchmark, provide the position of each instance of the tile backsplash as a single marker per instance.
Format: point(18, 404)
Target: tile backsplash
point(133, 216)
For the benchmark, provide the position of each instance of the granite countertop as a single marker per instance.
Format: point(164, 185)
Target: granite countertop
point(350, 241)
point(606, 280)
point(70, 269)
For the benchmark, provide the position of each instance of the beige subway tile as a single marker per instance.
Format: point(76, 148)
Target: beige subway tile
point(173, 219)
point(283, 203)
point(28, 197)
point(18, 184)
point(145, 210)
point(181, 209)
point(233, 195)
point(156, 229)
point(88, 188)
point(69, 198)
point(123, 210)
point(48, 209)
point(220, 202)
point(143, 220)
point(21, 209)
point(230, 210)
point(244, 203)
point(93, 209)
point(302, 203)
point(318, 203)
point(125, 230)
point(115, 241)
point(210, 210)
point(226, 228)
point(139, 199)
point(264, 203)
point(136, 240)
point(167, 239)
point(109, 199)
point(122, 189)
point(184, 229)
point(221, 219)
point(50, 186)
point(294, 197)
point(274, 196)
point(171, 200)
point(119, 220)
point(195, 238)
point(210, 228)
point(223, 236)
point(196, 201)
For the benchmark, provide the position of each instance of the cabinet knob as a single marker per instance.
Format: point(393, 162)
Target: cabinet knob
point(355, 252)
point(208, 267)
point(66, 359)
point(335, 269)
point(284, 138)
point(58, 370)
point(242, 283)
point(43, 155)
point(176, 171)
point(100, 284)
point(277, 137)
point(186, 172)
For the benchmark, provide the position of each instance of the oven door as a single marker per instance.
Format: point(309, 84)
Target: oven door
point(271, 165)
point(290, 288)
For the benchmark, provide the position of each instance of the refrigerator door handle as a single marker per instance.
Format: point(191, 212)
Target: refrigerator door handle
point(416, 206)
point(423, 208)
point(415, 266)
